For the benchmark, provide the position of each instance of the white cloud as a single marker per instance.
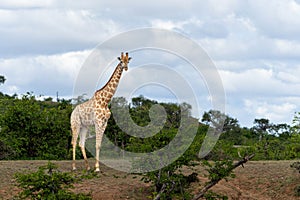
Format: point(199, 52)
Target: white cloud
point(7, 17)
point(277, 18)
point(290, 77)
point(255, 44)
point(261, 82)
point(13, 89)
point(50, 31)
point(25, 3)
point(287, 48)
point(277, 112)
point(262, 93)
point(42, 74)
point(167, 24)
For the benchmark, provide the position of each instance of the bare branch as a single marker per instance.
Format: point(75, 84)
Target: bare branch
point(212, 183)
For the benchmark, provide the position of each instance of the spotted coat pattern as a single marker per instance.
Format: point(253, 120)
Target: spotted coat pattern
point(95, 112)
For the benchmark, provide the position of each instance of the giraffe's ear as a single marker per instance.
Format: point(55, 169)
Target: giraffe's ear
point(129, 59)
point(119, 58)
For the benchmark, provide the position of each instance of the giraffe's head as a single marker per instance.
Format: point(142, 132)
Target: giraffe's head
point(124, 60)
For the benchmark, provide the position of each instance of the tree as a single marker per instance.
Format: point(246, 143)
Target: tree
point(281, 130)
point(168, 181)
point(228, 126)
point(119, 108)
point(2, 79)
point(80, 99)
point(261, 127)
point(296, 123)
point(36, 129)
point(214, 119)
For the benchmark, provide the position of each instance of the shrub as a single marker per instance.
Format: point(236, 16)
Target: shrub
point(296, 165)
point(48, 183)
point(297, 191)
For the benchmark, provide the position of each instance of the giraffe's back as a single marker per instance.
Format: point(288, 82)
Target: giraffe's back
point(83, 114)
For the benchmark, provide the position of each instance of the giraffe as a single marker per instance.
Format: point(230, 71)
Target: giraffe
point(95, 112)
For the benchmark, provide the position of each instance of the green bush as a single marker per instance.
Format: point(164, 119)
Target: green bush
point(297, 191)
point(214, 196)
point(296, 165)
point(32, 129)
point(48, 183)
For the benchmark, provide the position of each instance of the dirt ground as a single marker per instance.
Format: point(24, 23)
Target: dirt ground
point(258, 180)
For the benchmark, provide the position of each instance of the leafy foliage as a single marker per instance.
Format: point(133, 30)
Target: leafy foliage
point(6, 151)
point(48, 183)
point(297, 191)
point(35, 129)
point(213, 196)
point(296, 124)
point(296, 165)
point(219, 169)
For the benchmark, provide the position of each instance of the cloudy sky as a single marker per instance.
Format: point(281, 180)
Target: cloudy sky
point(254, 45)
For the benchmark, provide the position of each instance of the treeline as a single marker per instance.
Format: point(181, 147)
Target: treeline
point(40, 129)
point(33, 129)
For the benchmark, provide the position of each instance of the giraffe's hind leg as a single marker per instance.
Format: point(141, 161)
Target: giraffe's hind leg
point(75, 131)
point(83, 132)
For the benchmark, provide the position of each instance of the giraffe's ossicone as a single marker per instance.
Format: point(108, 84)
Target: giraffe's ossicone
point(95, 112)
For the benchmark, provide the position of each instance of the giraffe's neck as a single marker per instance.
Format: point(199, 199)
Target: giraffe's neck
point(105, 94)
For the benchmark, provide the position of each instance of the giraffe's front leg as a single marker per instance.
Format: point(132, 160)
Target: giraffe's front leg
point(99, 137)
point(100, 128)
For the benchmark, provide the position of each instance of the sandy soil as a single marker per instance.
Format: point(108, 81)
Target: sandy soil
point(258, 180)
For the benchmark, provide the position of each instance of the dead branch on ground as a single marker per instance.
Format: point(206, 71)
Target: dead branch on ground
point(214, 182)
